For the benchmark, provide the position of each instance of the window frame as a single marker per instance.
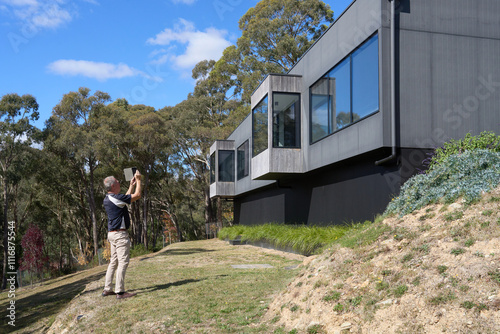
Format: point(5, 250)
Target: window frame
point(253, 128)
point(246, 153)
point(212, 168)
point(352, 122)
point(297, 120)
point(219, 165)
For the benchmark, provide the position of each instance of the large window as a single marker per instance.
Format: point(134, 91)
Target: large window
point(259, 127)
point(286, 126)
point(226, 166)
point(242, 160)
point(365, 79)
point(212, 168)
point(346, 94)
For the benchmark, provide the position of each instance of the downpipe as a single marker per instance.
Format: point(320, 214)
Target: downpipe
point(393, 86)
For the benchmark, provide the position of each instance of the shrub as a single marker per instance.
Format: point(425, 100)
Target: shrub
point(464, 175)
point(486, 140)
point(400, 290)
point(138, 250)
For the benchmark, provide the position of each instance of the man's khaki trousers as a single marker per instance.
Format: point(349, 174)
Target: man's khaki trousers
point(120, 257)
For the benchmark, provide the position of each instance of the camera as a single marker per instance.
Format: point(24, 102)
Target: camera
point(129, 173)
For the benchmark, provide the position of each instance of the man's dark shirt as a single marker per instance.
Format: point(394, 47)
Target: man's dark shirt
point(116, 208)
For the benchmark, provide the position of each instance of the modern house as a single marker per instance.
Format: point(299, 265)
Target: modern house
point(333, 140)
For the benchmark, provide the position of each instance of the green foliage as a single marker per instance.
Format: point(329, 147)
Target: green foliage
point(495, 275)
point(449, 217)
point(468, 305)
point(400, 290)
point(338, 308)
point(442, 269)
point(466, 175)
point(486, 140)
point(316, 329)
point(363, 234)
point(274, 35)
point(301, 238)
point(457, 251)
point(138, 250)
point(442, 298)
point(333, 296)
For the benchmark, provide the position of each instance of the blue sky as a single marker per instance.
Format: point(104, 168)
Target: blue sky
point(143, 51)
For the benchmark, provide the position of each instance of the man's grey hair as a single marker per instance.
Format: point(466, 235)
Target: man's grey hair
point(109, 182)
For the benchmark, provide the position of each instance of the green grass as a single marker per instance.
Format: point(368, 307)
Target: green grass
point(188, 287)
point(308, 240)
point(301, 238)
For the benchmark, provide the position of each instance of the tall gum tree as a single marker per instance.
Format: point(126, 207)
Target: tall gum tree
point(74, 130)
point(275, 34)
point(16, 135)
point(201, 119)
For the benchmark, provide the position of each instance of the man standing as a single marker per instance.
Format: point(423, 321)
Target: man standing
point(118, 223)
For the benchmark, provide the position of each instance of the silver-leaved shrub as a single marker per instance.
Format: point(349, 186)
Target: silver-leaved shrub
point(467, 175)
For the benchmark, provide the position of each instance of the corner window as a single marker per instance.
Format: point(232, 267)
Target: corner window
point(226, 166)
point(259, 127)
point(242, 160)
point(348, 93)
point(286, 126)
point(212, 168)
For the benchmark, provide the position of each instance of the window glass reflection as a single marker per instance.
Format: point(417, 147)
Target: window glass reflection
point(286, 111)
point(242, 160)
point(259, 127)
point(226, 166)
point(349, 92)
point(365, 99)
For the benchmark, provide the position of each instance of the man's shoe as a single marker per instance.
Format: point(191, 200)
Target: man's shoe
point(125, 295)
point(108, 293)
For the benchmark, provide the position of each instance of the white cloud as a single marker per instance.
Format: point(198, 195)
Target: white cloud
point(20, 2)
point(51, 17)
point(96, 70)
point(39, 13)
point(186, 2)
point(196, 45)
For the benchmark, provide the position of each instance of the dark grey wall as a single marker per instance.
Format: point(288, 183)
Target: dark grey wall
point(352, 191)
point(449, 70)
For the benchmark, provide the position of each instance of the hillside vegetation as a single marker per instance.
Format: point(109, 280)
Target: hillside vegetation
point(431, 266)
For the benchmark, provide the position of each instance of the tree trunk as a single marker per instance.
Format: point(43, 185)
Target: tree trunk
point(208, 206)
point(219, 212)
point(5, 233)
point(93, 212)
point(145, 204)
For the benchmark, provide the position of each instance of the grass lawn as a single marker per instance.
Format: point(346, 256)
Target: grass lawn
point(187, 287)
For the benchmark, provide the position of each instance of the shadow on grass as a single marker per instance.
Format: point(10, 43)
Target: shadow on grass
point(168, 285)
point(177, 283)
point(185, 251)
point(44, 304)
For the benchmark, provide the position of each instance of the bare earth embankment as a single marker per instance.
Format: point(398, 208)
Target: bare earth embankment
point(434, 271)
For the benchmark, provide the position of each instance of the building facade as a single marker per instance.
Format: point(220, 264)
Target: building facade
point(333, 140)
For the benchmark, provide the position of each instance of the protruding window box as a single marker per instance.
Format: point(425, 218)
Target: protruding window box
point(222, 168)
point(276, 127)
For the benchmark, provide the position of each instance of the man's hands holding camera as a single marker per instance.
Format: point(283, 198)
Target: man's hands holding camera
point(137, 177)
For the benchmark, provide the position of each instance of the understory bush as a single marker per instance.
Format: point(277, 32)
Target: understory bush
point(485, 140)
point(465, 174)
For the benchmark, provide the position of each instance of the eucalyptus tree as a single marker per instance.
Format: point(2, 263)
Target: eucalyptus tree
point(73, 133)
point(16, 136)
point(147, 139)
point(199, 120)
point(275, 34)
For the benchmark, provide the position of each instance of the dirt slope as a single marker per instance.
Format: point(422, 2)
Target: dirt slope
point(434, 271)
